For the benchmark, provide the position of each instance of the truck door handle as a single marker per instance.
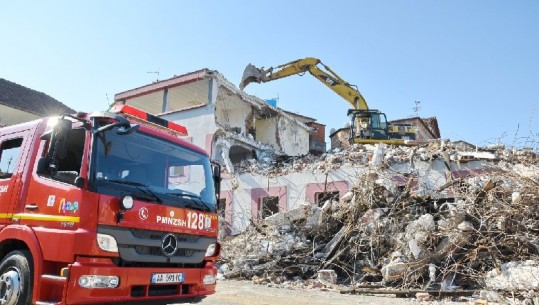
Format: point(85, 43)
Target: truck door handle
point(31, 206)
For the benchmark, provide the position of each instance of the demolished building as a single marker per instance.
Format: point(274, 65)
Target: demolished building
point(227, 122)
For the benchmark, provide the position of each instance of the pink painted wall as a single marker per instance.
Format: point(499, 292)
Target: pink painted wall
point(229, 210)
point(257, 193)
point(337, 186)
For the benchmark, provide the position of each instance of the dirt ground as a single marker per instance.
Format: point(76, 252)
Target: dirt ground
point(247, 293)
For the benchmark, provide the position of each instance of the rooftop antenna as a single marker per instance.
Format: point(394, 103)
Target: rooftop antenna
point(416, 108)
point(277, 101)
point(155, 72)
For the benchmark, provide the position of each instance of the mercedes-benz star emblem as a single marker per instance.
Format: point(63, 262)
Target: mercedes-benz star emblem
point(169, 244)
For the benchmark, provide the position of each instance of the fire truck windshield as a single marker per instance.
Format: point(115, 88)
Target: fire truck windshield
point(152, 169)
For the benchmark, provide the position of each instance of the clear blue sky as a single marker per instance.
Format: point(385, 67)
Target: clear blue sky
point(472, 64)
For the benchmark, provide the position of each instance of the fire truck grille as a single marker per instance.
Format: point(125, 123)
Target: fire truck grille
point(147, 246)
point(145, 234)
point(158, 251)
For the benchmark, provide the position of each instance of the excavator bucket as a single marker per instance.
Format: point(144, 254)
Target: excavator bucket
point(250, 74)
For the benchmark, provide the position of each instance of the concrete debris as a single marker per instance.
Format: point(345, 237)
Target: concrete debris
point(383, 155)
point(520, 276)
point(483, 234)
point(328, 275)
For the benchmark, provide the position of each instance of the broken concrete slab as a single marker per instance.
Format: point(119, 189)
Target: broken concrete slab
point(514, 276)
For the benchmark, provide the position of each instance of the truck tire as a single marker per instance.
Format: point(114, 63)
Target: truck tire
point(16, 277)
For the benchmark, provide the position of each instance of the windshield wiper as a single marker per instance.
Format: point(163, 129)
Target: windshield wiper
point(125, 182)
point(145, 189)
point(194, 198)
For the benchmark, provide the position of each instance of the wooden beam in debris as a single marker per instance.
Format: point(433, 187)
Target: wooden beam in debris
point(408, 292)
point(398, 292)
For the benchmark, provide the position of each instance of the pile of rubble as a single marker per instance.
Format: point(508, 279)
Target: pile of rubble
point(272, 165)
point(483, 234)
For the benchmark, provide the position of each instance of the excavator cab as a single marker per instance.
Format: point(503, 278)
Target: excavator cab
point(367, 125)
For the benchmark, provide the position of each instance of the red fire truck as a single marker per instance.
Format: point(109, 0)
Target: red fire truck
point(105, 207)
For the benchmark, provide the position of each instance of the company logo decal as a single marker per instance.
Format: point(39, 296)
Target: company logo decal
point(3, 188)
point(68, 207)
point(143, 213)
point(51, 200)
point(169, 245)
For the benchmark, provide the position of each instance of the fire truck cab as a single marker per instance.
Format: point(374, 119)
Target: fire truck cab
point(105, 207)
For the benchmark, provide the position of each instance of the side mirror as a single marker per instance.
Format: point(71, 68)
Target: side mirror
point(57, 150)
point(79, 182)
point(58, 145)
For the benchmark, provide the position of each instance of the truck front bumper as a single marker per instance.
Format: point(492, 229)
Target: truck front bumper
point(134, 284)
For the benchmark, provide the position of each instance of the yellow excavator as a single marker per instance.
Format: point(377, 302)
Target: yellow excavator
point(367, 126)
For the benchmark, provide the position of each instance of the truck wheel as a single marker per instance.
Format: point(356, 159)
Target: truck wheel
point(16, 276)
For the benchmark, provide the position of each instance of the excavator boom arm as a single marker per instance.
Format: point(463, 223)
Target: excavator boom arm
point(309, 64)
point(339, 86)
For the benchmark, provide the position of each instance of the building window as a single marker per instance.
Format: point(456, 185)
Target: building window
point(9, 154)
point(322, 197)
point(269, 206)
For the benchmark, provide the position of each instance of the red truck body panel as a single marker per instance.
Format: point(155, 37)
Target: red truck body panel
point(57, 223)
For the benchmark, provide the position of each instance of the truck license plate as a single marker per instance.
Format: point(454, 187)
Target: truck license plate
point(158, 278)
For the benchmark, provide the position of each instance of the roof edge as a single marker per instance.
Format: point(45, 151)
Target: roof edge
point(167, 83)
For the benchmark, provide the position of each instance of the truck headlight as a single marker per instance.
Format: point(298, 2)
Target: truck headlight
point(209, 279)
point(107, 243)
point(127, 202)
point(211, 251)
point(99, 281)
